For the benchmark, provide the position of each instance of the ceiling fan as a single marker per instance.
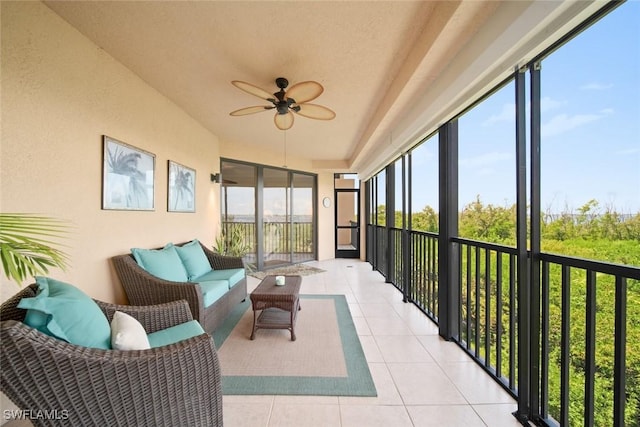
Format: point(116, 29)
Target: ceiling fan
point(293, 100)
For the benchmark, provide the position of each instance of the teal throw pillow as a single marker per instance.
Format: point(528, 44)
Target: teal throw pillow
point(63, 311)
point(175, 334)
point(194, 259)
point(163, 263)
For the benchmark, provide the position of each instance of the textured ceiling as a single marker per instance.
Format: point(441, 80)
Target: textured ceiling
point(363, 53)
point(375, 59)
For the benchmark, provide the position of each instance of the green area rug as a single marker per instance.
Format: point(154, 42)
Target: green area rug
point(325, 360)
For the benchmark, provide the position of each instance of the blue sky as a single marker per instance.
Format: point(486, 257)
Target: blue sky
point(590, 128)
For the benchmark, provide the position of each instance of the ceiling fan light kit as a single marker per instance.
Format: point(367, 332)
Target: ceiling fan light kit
point(287, 102)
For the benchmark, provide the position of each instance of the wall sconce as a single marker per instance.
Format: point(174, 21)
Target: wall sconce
point(215, 177)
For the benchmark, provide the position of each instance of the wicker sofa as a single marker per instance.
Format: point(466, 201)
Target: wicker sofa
point(143, 288)
point(177, 384)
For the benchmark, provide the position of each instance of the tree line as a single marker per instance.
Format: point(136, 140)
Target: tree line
point(592, 231)
point(492, 223)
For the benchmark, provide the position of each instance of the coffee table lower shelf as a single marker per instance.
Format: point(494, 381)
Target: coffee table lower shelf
point(275, 318)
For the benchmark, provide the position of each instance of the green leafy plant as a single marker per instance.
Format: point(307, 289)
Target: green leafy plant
point(26, 246)
point(232, 243)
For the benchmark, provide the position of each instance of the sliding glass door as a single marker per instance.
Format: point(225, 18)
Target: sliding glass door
point(276, 217)
point(303, 235)
point(271, 210)
point(238, 210)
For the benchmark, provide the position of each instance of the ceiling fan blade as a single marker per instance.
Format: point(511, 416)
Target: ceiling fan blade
point(283, 121)
point(305, 91)
point(314, 111)
point(253, 90)
point(250, 110)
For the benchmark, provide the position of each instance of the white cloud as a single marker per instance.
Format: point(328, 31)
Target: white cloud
point(549, 104)
point(596, 86)
point(486, 160)
point(422, 156)
point(562, 123)
point(507, 113)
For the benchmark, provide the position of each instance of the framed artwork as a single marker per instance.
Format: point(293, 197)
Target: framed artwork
point(182, 188)
point(127, 177)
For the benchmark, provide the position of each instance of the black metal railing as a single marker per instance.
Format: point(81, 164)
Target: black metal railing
point(355, 235)
point(396, 266)
point(487, 322)
point(584, 342)
point(243, 230)
point(423, 289)
point(280, 237)
point(579, 368)
point(379, 248)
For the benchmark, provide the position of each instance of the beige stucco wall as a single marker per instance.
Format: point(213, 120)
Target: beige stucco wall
point(59, 94)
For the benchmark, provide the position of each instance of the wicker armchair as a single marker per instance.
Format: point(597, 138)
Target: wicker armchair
point(143, 288)
point(178, 384)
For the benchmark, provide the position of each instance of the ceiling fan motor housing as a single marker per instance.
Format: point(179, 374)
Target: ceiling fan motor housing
point(282, 83)
point(283, 105)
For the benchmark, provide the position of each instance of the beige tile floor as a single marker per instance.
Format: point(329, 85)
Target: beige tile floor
point(421, 379)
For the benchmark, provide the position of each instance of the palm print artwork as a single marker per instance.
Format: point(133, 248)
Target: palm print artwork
point(181, 188)
point(128, 178)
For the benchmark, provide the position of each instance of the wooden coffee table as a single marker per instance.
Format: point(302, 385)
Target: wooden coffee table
point(278, 305)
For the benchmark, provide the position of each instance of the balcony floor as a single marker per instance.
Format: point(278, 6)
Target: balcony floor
point(421, 379)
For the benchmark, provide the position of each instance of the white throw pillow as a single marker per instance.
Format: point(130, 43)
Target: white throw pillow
point(127, 333)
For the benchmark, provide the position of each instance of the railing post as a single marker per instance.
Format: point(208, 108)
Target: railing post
point(374, 211)
point(390, 210)
point(367, 222)
point(523, 295)
point(620, 350)
point(534, 386)
point(407, 263)
point(259, 209)
point(448, 265)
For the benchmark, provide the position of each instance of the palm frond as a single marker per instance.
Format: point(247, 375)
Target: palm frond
point(28, 245)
